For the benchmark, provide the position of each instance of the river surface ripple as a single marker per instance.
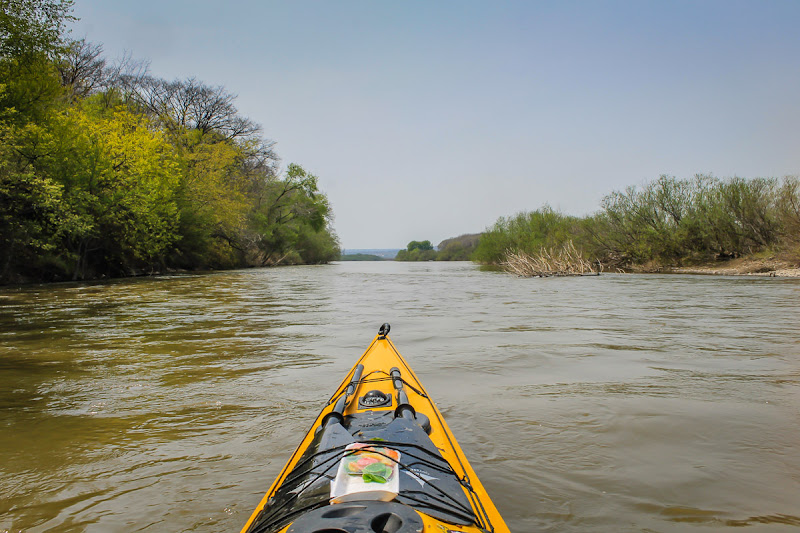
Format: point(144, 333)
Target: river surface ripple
point(611, 403)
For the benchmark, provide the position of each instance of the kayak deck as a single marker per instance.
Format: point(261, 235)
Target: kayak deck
point(380, 408)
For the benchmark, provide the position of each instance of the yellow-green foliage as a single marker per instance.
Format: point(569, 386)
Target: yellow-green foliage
point(134, 174)
point(105, 183)
point(213, 200)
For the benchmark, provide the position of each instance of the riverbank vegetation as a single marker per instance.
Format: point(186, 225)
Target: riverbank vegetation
point(106, 170)
point(666, 222)
point(454, 249)
point(458, 248)
point(361, 257)
point(417, 251)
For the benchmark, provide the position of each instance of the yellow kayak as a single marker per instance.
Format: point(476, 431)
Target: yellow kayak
point(378, 459)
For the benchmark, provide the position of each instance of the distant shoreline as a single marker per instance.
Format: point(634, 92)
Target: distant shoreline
point(382, 253)
point(743, 266)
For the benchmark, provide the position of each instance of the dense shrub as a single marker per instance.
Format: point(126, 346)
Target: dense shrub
point(668, 220)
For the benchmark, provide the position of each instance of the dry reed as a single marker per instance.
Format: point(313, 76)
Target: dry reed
point(566, 261)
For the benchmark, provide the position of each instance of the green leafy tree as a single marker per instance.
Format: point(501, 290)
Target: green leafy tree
point(31, 38)
point(419, 245)
point(30, 27)
point(417, 251)
point(290, 223)
point(33, 219)
point(526, 232)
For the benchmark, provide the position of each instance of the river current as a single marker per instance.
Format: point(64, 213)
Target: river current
point(612, 403)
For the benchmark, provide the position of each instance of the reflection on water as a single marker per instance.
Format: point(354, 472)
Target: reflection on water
point(617, 403)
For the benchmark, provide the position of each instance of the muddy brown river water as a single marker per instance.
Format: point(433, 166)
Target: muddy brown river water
point(611, 403)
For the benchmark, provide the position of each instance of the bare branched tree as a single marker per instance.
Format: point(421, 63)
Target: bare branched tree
point(127, 74)
point(191, 104)
point(82, 68)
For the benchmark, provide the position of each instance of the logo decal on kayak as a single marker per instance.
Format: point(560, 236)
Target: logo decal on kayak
point(301, 487)
point(420, 476)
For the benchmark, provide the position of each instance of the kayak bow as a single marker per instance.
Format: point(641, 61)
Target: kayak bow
point(378, 459)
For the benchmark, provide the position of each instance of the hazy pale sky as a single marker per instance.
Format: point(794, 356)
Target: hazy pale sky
point(429, 119)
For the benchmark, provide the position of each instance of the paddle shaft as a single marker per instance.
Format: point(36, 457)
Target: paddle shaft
point(404, 408)
point(336, 416)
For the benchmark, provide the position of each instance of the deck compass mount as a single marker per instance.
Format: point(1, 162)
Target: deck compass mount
point(373, 399)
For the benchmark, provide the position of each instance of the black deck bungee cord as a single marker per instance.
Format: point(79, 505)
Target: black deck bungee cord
point(455, 507)
point(485, 521)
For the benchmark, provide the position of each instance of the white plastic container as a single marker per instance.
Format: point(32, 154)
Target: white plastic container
point(350, 485)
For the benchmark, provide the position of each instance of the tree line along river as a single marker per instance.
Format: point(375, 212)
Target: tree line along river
point(611, 403)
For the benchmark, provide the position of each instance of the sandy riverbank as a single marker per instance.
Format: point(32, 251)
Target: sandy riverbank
point(745, 266)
